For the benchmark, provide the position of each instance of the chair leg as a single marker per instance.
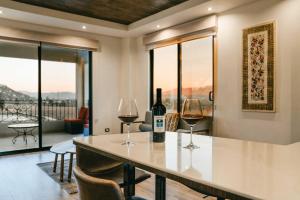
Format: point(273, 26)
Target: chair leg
point(62, 162)
point(55, 163)
point(70, 167)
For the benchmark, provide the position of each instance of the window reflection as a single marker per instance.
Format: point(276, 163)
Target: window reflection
point(165, 75)
point(197, 71)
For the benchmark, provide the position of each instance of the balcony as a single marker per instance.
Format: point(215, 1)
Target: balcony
point(26, 111)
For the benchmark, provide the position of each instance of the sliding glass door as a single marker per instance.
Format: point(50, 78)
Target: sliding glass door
point(197, 72)
point(65, 97)
point(165, 75)
point(44, 95)
point(18, 96)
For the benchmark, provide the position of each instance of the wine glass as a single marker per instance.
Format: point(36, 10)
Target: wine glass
point(128, 113)
point(191, 114)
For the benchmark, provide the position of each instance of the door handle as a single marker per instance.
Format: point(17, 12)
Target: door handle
point(211, 96)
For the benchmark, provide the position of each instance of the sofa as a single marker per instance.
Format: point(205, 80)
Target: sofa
point(175, 123)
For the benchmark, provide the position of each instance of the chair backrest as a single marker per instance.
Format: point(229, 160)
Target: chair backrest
point(86, 119)
point(83, 113)
point(148, 117)
point(91, 188)
point(172, 120)
point(93, 163)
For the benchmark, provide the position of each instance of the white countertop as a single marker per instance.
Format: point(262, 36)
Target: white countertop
point(250, 169)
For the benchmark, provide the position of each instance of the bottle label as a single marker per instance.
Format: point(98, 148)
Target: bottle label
point(159, 124)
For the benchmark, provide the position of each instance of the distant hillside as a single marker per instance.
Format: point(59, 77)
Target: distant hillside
point(52, 95)
point(7, 93)
point(201, 91)
point(59, 95)
point(31, 94)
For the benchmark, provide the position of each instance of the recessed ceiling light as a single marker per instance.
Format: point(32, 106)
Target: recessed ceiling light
point(1, 11)
point(157, 26)
point(209, 9)
point(83, 27)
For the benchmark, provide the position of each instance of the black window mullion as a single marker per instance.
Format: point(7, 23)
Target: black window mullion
point(179, 76)
point(151, 62)
point(90, 102)
point(40, 95)
point(213, 74)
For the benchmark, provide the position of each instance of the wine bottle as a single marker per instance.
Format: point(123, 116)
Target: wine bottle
point(158, 120)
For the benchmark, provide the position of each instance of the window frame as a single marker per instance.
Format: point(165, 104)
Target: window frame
point(179, 72)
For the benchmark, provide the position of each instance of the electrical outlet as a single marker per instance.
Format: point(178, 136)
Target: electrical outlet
point(106, 130)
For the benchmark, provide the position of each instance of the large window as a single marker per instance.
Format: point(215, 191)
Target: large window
point(64, 83)
point(165, 75)
point(197, 72)
point(184, 70)
point(18, 83)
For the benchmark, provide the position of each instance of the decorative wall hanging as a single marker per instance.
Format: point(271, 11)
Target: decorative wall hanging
point(258, 68)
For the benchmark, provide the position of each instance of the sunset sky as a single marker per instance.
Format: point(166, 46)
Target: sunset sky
point(196, 65)
point(22, 75)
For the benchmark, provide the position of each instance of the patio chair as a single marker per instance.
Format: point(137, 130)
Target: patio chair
point(76, 126)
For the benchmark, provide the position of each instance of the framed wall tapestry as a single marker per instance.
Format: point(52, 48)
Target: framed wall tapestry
point(258, 68)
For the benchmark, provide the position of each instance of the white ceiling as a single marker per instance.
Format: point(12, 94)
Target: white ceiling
point(175, 15)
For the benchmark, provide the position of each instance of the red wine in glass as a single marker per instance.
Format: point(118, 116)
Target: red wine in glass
point(128, 113)
point(128, 118)
point(191, 119)
point(192, 114)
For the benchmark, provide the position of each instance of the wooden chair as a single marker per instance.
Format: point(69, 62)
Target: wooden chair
point(172, 120)
point(91, 188)
point(99, 166)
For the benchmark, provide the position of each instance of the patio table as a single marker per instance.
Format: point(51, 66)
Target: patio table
point(23, 129)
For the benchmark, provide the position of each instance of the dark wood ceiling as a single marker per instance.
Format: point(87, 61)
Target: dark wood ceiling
point(120, 11)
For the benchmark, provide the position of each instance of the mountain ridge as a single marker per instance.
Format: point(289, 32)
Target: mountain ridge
point(6, 93)
point(189, 91)
point(9, 94)
point(52, 95)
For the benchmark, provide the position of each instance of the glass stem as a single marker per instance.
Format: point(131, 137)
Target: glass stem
point(191, 136)
point(128, 132)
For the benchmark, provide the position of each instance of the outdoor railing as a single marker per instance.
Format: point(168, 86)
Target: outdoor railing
point(52, 110)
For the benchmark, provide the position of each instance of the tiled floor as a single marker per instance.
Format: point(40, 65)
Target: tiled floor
point(48, 140)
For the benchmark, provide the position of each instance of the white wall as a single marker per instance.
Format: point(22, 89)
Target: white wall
point(280, 127)
point(141, 83)
point(135, 74)
point(106, 85)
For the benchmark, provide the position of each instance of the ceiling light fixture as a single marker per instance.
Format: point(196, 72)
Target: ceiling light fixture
point(83, 27)
point(1, 11)
point(209, 9)
point(157, 26)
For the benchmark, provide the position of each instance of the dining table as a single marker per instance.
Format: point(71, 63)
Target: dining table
point(222, 167)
